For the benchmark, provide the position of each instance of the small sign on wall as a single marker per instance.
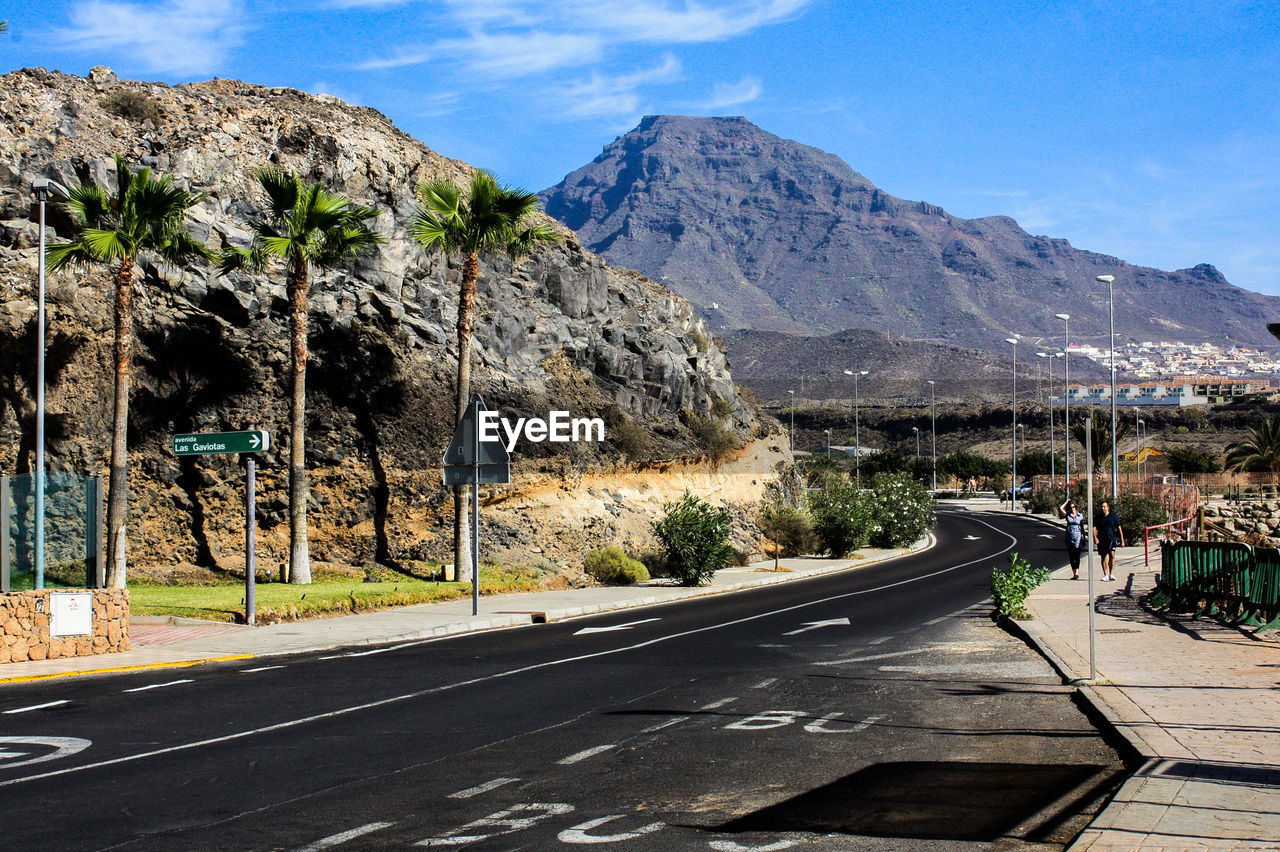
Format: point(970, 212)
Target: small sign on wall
point(71, 614)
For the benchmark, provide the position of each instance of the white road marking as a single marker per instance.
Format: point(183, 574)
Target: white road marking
point(614, 627)
point(436, 690)
point(732, 846)
point(331, 657)
point(62, 747)
point(482, 788)
point(667, 724)
point(880, 640)
point(819, 726)
point(583, 755)
point(769, 681)
point(972, 538)
point(888, 654)
point(578, 834)
point(381, 650)
point(505, 821)
point(338, 839)
point(261, 669)
point(716, 705)
point(1046, 535)
point(814, 625)
point(38, 706)
point(766, 720)
point(159, 685)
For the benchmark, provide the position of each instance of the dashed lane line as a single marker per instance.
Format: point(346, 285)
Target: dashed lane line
point(767, 682)
point(159, 685)
point(585, 755)
point(260, 669)
point(482, 788)
point(667, 724)
point(43, 706)
point(716, 705)
point(342, 837)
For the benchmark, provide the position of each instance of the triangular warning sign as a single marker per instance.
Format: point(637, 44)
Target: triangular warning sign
point(465, 451)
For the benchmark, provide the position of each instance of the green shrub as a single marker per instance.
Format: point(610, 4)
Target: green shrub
point(695, 539)
point(613, 567)
point(1136, 512)
point(700, 340)
point(788, 527)
point(714, 440)
point(132, 105)
point(841, 518)
point(1011, 585)
point(1046, 501)
point(721, 408)
point(902, 510)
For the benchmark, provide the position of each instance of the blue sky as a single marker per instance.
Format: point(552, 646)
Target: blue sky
point(1146, 130)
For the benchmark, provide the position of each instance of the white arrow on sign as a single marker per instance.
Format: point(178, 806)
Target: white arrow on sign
point(254, 440)
point(614, 627)
point(814, 625)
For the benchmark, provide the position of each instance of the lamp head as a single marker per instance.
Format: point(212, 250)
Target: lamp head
point(1104, 279)
point(863, 372)
point(1041, 355)
point(1012, 340)
point(848, 372)
point(929, 381)
point(44, 189)
point(1063, 316)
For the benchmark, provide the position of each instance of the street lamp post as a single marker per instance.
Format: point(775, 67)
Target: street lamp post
point(42, 189)
point(1109, 280)
point(1066, 400)
point(1013, 482)
point(792, 439)
point(1141, 437)
point(916, 429)
point(1053, 463)
point(857, 437)
point(933, 437)
point(828, 433)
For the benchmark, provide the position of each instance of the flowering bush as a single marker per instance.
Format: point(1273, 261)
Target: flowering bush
point(841, 518)
point(901, 510)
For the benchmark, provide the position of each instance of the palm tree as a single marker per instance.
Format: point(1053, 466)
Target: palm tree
point(304, 226)
point(487, 217)
point(144, 214)
point(1100, 450)
point(1260, 451)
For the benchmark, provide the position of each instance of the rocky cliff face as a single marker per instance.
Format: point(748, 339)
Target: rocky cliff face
point(561, 329)
point(764, 233)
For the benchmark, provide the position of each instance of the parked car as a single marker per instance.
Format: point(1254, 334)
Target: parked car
point(1023, 490)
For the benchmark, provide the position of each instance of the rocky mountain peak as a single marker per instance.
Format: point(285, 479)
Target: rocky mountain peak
point(760, 232)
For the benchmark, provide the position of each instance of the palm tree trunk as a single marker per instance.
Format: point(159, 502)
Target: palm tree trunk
point(299, 553)
point(466, 316)
point(118, 482)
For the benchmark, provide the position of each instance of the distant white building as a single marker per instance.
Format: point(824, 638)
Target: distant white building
point(1197, 390)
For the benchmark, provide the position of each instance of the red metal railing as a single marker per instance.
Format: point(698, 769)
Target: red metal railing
point(1184, 525)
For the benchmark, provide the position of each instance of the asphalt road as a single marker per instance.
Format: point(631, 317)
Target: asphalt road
point(876, 708)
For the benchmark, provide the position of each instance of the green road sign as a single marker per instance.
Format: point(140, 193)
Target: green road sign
point(211, 443)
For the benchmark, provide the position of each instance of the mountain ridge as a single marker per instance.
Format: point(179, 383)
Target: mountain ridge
point(765, 233)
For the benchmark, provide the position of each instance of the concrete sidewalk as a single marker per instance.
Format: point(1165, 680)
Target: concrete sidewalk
point(1197, 700)
point(194, 643)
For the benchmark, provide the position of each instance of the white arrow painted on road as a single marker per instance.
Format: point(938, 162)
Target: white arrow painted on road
point(972, 538)
point(814, 625)
point(1045, 535)
point(626, 626)
point(62, 747)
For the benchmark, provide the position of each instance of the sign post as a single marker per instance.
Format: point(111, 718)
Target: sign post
point(470, 460)
point(246, 442)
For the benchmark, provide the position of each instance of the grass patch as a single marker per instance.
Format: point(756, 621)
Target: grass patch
point(288, 602)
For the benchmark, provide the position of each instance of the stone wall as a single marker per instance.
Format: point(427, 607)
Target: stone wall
point(24, 626)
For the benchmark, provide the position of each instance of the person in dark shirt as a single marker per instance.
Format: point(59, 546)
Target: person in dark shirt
point(1108, 535)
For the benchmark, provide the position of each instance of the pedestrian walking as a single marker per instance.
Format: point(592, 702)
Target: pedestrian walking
point(1074, 538)
point(1108, 535)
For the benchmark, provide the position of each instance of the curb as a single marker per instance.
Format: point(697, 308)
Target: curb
point(175, 664)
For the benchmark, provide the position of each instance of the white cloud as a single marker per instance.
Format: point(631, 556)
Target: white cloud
point(503, 56)
point(608, 96)
point(182, 37)
point(725, 95)
point(689, 22)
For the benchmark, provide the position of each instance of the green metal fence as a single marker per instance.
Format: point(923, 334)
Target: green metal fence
point(1235, 582)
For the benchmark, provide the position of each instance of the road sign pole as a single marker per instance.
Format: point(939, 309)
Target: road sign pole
point(475, 506)
point(250, 607)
